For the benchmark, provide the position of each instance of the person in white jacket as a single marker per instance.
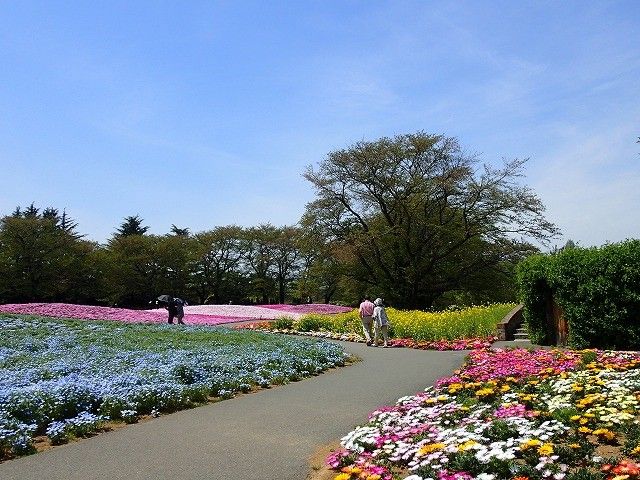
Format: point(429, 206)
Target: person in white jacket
point(381, 323)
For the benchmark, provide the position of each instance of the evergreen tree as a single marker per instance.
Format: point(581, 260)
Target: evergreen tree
point(132, 225)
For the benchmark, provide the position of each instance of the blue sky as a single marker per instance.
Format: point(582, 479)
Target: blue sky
point(206, 113)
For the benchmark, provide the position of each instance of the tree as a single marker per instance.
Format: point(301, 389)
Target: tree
point(419, 217)
point(180, 232)
point(285, 247)
point(41, 257)
point(218, 256)
point(259, 260)
point(320, 269)
point(133, 275)
point(132, 225)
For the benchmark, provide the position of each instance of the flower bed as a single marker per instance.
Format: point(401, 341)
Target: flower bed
point(321, 308)
point(508, 414)
point(458, 329)
point(65, 378)
point(194, 314)
point(89, 312)
point(466, 329)
point(461, 344)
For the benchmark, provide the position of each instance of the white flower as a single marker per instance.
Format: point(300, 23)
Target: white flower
point(485, 476)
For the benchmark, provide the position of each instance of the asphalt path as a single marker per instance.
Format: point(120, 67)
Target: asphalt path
point(269, 434)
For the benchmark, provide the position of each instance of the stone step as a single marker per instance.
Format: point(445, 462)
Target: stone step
point(521, 336)
point(521, 330)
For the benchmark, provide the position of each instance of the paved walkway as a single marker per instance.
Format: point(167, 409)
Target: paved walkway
point(269, 434)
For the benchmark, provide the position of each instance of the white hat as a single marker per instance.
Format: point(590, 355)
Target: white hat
point(377, 301)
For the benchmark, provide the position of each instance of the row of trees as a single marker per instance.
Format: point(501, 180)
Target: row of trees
point(412, 218)
point(44, 258)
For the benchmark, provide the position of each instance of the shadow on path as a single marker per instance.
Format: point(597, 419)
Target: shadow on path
point(269, 434)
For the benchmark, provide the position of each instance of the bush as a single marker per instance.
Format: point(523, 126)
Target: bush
point(283, 323)
point(598, 290)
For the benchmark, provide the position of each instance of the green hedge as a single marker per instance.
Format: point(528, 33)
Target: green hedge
point(597, 288)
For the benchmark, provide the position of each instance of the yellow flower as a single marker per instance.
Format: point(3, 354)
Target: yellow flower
point(575, 418)
point(431, 447)
point(584, 430)
point(636, 450)
point(574, 445)
point(546, 449)
point(605, 433)
point(466, 445)
point(354, 470)
point(620, 477)
point(504, 388)
point(454, 387)
point(373, 477)
point(342, 476)
point(484, 392)
point(530, 443)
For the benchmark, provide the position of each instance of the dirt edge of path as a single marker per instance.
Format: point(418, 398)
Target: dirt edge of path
point(318, 469)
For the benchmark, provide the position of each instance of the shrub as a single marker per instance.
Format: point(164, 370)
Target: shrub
point(598, 290)
point(282, 323)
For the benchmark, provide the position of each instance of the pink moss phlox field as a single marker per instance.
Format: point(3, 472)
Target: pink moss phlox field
point(87, 312)
point(250, 312)
point(309, 308)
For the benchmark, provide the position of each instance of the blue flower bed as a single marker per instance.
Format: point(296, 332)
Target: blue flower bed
point(65, 378)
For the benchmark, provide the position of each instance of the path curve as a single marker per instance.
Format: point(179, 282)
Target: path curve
point(270, 434)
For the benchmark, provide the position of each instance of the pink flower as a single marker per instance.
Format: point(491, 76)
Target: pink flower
point(87, 312)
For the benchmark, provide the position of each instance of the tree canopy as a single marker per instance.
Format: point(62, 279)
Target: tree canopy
point(419, 217)
point(131, 225)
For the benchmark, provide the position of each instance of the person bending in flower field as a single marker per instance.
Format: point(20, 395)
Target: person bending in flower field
point(381, 322)
point(176, 309)
point(366, 316)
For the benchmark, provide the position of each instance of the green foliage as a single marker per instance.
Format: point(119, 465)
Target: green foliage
point(313, 323)
point(586, 474)
point(501, 431)
point(417, 218)
point(283, 323)
point(632, 438)
point(131, 225)
point(43, 258)
point(588, 357)
point(598, 290)
point(564, 415)
point(348, 322)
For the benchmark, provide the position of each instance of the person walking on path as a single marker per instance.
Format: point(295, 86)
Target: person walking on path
point(366, 316)
point(381, 322)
